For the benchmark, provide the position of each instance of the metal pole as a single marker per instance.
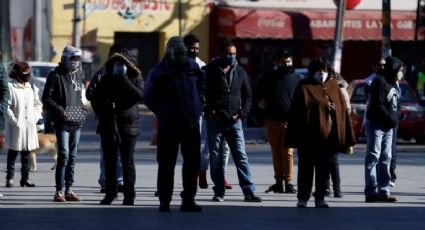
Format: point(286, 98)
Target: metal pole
point(386, 28)
point(37, 48)
point(76, 25)
point(339, 31)
point(180, 17)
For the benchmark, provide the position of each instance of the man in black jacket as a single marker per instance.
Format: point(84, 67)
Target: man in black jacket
point(115, 101)
point(62, 101)
point(275, 92)
point(382, 116)
point(228, 99)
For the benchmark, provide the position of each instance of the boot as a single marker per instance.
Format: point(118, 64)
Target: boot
point(202, 177)
point(226, 184)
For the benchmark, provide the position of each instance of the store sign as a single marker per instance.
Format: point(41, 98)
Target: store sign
point(278, 22)
point(362, 24)
point(128, 9)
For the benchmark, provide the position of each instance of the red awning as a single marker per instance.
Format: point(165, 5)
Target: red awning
point(250, 23)
point(312, 24)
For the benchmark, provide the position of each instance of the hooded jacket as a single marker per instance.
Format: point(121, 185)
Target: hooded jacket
point(116, 96)
point(4, 90)
point(61, 92)
point(384, 104)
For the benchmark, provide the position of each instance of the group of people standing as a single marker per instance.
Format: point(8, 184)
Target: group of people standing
point(307, 114)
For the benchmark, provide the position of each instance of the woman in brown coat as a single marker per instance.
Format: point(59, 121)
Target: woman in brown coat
point(318, 127)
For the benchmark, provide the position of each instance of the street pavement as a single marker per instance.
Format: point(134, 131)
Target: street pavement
point(33, 208)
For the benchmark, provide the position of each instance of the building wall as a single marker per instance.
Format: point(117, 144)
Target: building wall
point(105, 17)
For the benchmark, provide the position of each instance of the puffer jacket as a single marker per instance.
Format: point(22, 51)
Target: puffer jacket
point(116, 97)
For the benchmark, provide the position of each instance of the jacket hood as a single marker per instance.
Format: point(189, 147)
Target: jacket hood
point(129, 60)
point(392, 66)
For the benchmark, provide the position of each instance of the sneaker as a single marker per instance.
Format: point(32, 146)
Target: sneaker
point(26, 183)
point(302, 204)
point(218, 198)
point(1, 195)
point(107, 200)
point(9, 184)
point(71, 196)
point(338, 194)
point(321, 204)
point(276, 188)
point(190, 207)
point(59, 197)
point(289, 188)
point(388, 198)
point(392, 184)
point(202, 180)
point(373, 198)
point(252, 198)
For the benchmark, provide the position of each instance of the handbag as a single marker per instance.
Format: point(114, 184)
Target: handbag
point(75, 114)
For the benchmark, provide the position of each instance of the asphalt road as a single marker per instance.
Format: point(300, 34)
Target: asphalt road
point(32, 208)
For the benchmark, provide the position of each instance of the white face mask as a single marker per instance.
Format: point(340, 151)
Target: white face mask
point(400, 75)
point(321, 76)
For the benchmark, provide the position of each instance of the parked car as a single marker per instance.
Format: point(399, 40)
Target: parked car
point(40, 71)
point(412, 114)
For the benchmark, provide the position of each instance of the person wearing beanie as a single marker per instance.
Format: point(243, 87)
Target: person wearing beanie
point(115, 102)
point(63, 103)
point(173, 92)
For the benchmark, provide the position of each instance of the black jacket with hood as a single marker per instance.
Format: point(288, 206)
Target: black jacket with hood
point(116, 97)
point(60, 93)
point(384, 106)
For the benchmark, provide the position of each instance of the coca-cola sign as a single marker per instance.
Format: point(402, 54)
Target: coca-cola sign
point(275, 22)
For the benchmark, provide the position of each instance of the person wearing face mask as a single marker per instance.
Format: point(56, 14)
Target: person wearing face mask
point(318, 126)
point(173, 91)
point(228, 99)
point(382, 119)
point(275, 91)
point(63, 104)
point(22, 113)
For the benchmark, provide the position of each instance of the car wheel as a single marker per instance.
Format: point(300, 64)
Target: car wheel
point(420, 139)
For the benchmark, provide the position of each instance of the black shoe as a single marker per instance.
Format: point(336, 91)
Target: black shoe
point(27, 183)
point(108, 199)
point(128, 201)
point(373, 198)
point(164, 208)
point(190, 207)
point(388, 198)
point(252, 198)
point(276, 188)
point(217, 198)
point(338, 194)
point(289, 188)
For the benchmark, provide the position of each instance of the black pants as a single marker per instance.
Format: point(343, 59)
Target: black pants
point(126, 145)
point(310, 163)
point(169, 141)
point(25, 162)
point(334, 173)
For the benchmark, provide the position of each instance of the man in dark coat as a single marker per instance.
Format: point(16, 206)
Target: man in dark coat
point(173, 92)
point(115, 102)
point(228, 100)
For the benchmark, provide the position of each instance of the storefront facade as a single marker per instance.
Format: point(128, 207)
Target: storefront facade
point(307, 29)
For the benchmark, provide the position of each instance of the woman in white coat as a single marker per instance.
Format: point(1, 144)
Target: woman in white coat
point(23, 111)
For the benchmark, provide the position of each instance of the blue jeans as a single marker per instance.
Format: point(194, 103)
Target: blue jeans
point(67, 154)
point(377, 161)
point(205, 153)
point(217, 132)
point(102, 170)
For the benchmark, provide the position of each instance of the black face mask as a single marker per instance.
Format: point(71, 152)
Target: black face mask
point(192, 54)
point(24, 77)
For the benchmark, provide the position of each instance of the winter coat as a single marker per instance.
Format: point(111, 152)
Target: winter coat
point(173, 93)
point(61, 93)
point(384, 105)
point(310, 126)
point(277, 88)
point(115, 97)
point(23, 111)
point(225, 100)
